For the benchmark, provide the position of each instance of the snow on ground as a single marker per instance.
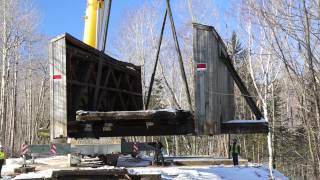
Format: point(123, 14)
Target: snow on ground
point(10, 165)
point(218, 172)
point(44, 165)
point(39, 174)
point(131, 162)
point(210, 172)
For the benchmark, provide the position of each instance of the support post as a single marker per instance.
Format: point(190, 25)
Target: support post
point(24, 161)
point(69, 154)
point(32, 158)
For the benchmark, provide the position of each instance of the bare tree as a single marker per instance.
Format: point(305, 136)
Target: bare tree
point(18, 26)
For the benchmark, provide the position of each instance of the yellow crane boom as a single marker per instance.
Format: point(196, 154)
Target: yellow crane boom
point(91, 22)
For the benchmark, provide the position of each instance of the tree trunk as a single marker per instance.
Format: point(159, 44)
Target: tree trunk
point(3, 94)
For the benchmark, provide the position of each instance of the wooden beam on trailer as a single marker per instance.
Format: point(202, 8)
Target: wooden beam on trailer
point(100, 174)
point(129, 115)
point(245, 127)
point(131, 123)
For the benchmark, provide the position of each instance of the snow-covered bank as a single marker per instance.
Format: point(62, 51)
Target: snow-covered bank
point(219, 172)
point(211, 172)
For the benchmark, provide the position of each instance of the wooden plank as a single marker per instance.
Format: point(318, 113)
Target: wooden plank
point(58, 88)
point(112, 174)
point(245, 128)
point(198, 112)
point(26, 169)
point(132, 123)
point(51, 92)
point(130, 115)
point(206, 161)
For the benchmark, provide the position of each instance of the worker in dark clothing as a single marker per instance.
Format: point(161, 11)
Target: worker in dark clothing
point(158, 153)
point(2, 158)
point(235, 152)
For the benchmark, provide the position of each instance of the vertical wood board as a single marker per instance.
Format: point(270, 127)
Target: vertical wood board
point(214, 87)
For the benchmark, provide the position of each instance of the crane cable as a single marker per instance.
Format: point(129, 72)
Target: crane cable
point(105, 33)
point(183, 72)
point(156, 62)
point(175, 38)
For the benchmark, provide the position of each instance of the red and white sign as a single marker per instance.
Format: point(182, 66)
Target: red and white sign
point(57, 76)
point(53, 149)
point(201, 66)
point(24, 149)
point(135, 147)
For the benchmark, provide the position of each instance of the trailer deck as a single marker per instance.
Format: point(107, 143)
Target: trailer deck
point(131, 123)
point(101, 174)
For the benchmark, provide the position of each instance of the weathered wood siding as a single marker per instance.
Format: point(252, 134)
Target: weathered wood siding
point(132, 123)
point(58, 88)
point(214, 86)
point(89, 80)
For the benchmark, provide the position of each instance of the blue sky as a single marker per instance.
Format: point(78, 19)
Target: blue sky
point(59, 16)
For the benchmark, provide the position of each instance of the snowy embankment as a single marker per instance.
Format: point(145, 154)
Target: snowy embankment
point(220, 172)
point(210, 172)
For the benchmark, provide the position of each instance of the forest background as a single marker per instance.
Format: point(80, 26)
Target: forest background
point(275, 49)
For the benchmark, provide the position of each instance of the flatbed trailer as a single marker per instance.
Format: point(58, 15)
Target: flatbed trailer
point(107, 153)
point(102, 174)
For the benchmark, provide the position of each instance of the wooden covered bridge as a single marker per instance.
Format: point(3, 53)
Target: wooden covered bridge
point(95, 95)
